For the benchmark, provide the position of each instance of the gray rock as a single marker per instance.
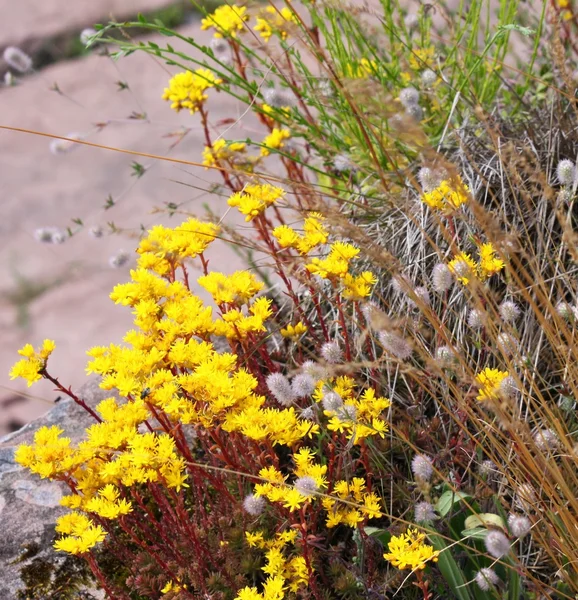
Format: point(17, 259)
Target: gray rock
point(29, 507)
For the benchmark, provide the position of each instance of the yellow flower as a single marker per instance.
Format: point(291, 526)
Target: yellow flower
point(226, 20)
point(294, 331)
point(315, 234)
point(237, 288)
point(187, 90)
point(30, 367)
point(336, 265)
point(408, 551)
point(274, 141)
point(448, 196)
point(254, 199)
point(421, 58)
point(275, 20)
point(359, 69)
point(489, 381)
point(489, 263)
point(222, 150)
point(464, 267)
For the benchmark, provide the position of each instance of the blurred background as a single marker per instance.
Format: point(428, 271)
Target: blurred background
point(95, 201)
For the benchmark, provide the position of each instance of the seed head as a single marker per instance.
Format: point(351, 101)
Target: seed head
point(422, 296)
point(303, 385)
point(519, 525)
point(86, 35)
point(526, 497)
point(278, 97)
point(430, 179)
point(220, 47)
point(308, 413)
point(415, 111)
point(428, 77)
point(486, 578)
point(566, 171)
point(509, 387)
point(281, 389)
point(424, 511)
point(546, 440)
point(17, 59)
point(442, 278)
point(306, 486)
point(332, 401)
point(445, 355)
point(120, 259)
point(409, 97)
point(476, 318)
point(395, 344)
point(315, 370)
point(497, 543)
point(96, 231)
point(64, 146)
point(331, 352)
point(421, 467)
point(50, 235)
point(564, 310)
point(254, 505)
point(509, 311)
point(486, 468)
point(342, 163)
point(507, 344)
point(347, 412)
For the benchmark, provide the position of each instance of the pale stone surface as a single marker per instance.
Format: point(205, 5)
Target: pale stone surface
point(26, 22)
point(42, 189)
point(29, 506)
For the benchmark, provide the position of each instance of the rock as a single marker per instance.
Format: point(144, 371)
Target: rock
point(29, 507)
point(29, 24)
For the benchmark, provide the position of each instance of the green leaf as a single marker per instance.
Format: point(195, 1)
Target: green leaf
point(484, 519)
point(382, 535)
point(476, 533)
point(514, 581)
point(448, 499)
point(449, 568)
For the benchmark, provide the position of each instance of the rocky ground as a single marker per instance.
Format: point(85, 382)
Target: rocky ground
point(61, 291)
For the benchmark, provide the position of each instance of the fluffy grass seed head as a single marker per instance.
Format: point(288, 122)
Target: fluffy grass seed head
point(566, 171)
point(476, 318)
point(395, 344)
point(281, 389)
point(423, 512)
point(17, 59)
point(331, 401)
point(303, 385)
point(442, 278)
point(519, 525)
point(486, 578)
point(421, 467)
point(306, 486)
point(50, 235)
point(497, 543)
point(254, 505)
point(509, 311)
point(331, 352)
point(409, 97)
point(430, 178)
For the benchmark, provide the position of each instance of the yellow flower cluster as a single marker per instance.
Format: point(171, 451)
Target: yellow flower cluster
point(314, 234)
point(360, 416)
point(281, 570)
point(221, 150)
point(489, 381)
point(187, 90)
point(31, 366)
point(255, 198)
point(294, 331)
point(448, 196)
point(276, 489)
point(350, 504)
point(408, 551)
point(466, 268)
point(360, 69)
point(276, 20)
point(274, 141)
point(336, 268)
point(422, 58)
point(81, 533)
point(226, 20)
